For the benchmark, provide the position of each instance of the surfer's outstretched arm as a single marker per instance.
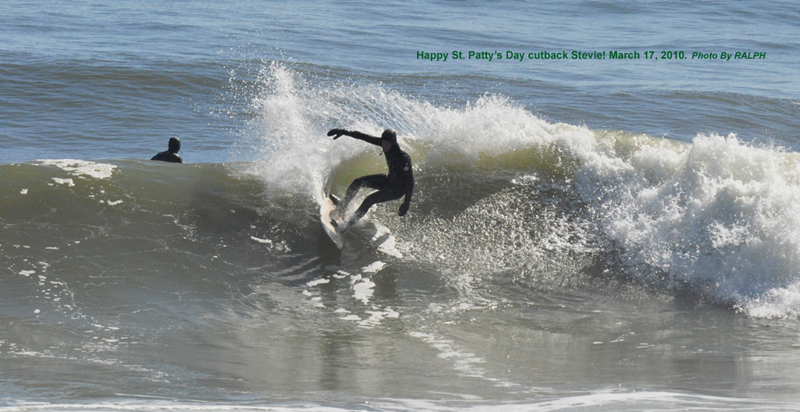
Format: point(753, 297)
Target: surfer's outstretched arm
point(336, 133)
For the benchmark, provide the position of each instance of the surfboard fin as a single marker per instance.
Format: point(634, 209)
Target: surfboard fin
point(335, 200)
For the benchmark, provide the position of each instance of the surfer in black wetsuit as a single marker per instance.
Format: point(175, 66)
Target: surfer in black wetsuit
point(171, 155)
point(397, 183)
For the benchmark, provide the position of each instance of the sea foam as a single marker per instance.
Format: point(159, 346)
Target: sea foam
point(716, 216)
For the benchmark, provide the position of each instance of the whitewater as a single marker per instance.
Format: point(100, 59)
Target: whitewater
point(715, 217)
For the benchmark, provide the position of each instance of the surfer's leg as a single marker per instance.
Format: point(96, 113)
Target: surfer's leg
point(377, 197)
point(370, 181)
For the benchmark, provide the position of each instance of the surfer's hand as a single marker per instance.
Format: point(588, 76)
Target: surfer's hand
point(403, 209)
point(336, 133)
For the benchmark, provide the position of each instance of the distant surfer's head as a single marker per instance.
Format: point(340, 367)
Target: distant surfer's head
point(389, 136)
point(174, 145)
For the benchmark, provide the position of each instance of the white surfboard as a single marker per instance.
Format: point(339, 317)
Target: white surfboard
point(325, 217)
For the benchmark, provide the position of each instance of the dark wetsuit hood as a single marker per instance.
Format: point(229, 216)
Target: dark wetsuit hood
point(174, 145)
point(390, 136)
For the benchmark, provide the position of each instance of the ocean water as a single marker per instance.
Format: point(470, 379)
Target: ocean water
point(585, 234)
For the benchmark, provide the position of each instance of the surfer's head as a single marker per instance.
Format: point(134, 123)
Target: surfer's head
point(389, 138)
point(174, 145)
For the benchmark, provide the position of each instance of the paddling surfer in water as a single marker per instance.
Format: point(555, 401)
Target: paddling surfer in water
point(171, 155)
point(398, 182)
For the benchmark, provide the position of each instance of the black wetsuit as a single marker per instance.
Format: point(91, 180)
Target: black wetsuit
point(398, 182)
point(168, 156)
